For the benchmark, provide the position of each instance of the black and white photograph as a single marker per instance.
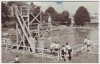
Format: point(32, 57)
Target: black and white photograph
point(50, 31)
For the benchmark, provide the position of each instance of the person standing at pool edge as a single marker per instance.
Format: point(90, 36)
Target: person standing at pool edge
point(85, 40)
point(68, 47)
point(88, 45)
point(85, 43)
point(63, 52)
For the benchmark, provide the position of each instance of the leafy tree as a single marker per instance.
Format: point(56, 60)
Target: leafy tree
point(65, 18)
point(58, 17)
point(82, 15)
point(18, 3)
point(51, 11)
point(4, 12)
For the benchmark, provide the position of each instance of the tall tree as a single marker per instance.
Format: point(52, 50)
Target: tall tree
point(82, 15)
point(51, 11)
point(4, 12)
point(18, 3)
point(65, 18)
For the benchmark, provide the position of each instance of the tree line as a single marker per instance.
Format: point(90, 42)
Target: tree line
point(81, 16)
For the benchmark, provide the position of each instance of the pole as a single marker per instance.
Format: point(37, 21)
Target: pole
point(16, 34)
point(58, 54)
point(28, 17)
point(39, 34)
point(42, 47)
point(51, 31)
point(6, 47)
point(41, 17)
point(42, 53)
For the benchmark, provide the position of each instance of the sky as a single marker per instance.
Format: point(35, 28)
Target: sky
point(92, 7)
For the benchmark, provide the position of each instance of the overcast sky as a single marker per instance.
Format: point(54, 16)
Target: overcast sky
point(92, 7)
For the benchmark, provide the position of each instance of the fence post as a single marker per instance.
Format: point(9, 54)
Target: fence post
point(58, 54)
point(6, 47)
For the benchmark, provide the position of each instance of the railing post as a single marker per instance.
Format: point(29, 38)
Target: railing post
point(6, 47)
point(58, 55)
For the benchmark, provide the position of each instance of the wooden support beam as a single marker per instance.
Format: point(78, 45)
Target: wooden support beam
point(6, 47)
point(35, 18)
point(17, 39)
point(41, 17)
point(21, 25)
point(28, 18)
point(22, 38)
point(24, 23)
